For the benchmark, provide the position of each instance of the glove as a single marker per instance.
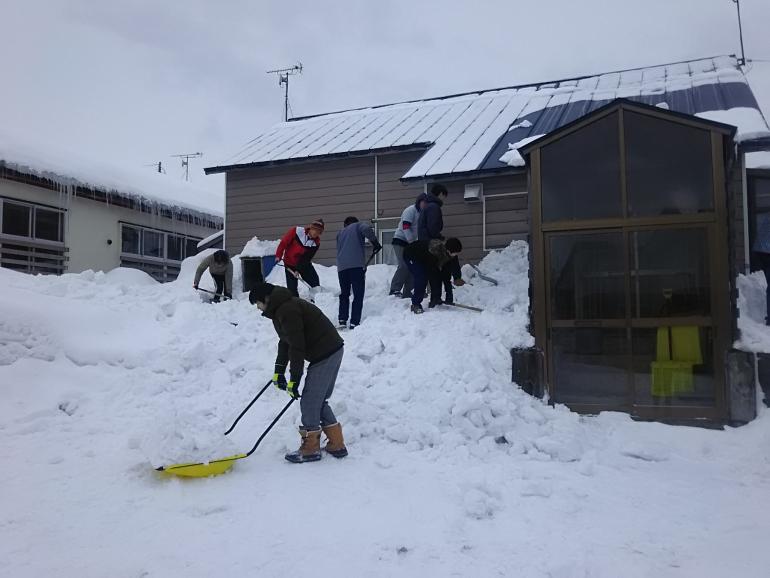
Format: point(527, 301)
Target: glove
point(292, 388)
point(279, 381)
point(459, 282)
point(294, 272)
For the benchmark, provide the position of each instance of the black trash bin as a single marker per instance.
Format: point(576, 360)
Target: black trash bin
point(528, 370)
point(251, 268)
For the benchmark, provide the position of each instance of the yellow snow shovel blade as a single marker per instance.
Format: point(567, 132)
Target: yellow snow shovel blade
point(201, 470)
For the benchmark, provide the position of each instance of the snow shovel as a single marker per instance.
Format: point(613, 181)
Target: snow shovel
point(224, 297)
point(220, 466)
point(335, 293)
point(484, 277)
point(469, 307)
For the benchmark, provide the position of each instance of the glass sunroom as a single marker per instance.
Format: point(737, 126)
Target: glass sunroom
point(630, 262)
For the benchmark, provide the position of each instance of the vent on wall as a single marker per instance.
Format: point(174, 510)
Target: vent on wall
point(473, 193)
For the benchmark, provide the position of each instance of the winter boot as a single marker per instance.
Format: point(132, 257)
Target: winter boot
point(433, 304)
point(336, 444)
point(342, 324)
point(310, 450)
point(417, 309)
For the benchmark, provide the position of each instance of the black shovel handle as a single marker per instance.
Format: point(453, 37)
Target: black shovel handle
point(224, 297)
point(267, 431)
point(248, 407)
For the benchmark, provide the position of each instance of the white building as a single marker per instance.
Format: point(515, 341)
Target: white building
point(60, 214)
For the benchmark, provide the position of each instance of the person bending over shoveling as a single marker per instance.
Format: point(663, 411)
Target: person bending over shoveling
point(221, 268)
point(297, 249)
point(305, 333)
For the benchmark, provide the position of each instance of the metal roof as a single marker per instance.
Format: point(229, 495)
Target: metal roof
point(470, 132)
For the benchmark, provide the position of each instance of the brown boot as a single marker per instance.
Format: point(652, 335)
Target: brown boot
point(310, 450)
point(336, 445)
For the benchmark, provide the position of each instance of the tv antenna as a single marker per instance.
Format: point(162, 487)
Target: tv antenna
point(186, 162)
point(742, 59)
point(283, 80)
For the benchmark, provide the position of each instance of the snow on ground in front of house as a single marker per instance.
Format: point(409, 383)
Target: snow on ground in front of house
point(452, 471)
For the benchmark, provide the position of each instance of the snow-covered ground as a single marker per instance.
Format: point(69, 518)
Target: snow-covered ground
point(452, 471)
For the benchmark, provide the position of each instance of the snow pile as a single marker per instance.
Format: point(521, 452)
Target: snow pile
point(752, 307)
point(259, 248)
point(513, 157)
point(452, 468)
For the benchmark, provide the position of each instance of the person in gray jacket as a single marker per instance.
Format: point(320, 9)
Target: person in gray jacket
point(402, 283)
point(221, 268)
point(351, 265)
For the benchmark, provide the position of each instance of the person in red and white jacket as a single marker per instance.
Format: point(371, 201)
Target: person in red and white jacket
point(297, 249)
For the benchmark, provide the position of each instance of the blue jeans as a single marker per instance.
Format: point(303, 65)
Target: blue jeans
point(420, 275)
point(354, 279)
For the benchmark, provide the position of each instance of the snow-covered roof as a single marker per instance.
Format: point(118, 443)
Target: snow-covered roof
point(62, 166)
point(470, 132)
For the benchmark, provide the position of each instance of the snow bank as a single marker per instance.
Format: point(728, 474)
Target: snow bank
point(452, 468)
point(752, 307)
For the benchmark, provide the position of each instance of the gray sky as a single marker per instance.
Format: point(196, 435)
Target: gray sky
point(135, 82)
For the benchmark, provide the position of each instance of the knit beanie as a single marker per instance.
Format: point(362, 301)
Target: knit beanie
point(260, 293)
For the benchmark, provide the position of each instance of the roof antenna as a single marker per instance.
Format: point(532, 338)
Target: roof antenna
point(283, 79)
point(742, 59)
point(186, 162)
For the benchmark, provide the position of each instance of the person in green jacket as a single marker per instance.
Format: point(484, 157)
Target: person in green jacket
point(221, 268)
point(305, 333)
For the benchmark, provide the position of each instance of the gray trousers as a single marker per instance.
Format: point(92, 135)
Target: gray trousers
point(319, 385)
point(402, 278)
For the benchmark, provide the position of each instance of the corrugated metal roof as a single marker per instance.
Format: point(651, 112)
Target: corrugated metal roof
point(470, 132)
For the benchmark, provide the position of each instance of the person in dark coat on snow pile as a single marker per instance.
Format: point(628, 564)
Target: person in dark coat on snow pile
point(297, 249)
point(406, 233)
point(431, 216)
point(305, 333)
point(221, 269)
point(427, 261)
point(351, 263)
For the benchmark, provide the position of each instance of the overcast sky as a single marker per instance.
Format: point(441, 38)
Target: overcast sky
point(135, 82)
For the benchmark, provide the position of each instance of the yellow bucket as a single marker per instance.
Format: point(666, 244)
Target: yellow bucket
point(200, 469)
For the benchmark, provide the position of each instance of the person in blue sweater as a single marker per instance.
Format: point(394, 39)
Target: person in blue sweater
point(351, 268)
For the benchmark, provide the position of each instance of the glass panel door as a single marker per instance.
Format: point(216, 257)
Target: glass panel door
point(587, 312)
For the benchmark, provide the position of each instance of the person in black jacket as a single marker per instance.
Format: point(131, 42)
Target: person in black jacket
point(431, 222)
point(305, 333)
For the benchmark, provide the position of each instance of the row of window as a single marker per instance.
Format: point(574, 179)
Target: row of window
point(158, 244)
point(33, 221)
point(158, 253)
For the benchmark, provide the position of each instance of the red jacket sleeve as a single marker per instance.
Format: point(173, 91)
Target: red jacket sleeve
point(285, 240)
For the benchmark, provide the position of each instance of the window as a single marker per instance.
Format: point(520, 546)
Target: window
point(17, 219)
point(175, 248)
point(388, 255)
point(42, 249)
point(152, 243)
point(670, 273)
point(192, 247)
point(48, 224)
point(158, 253)
point(130, 240)
point(580, 173)
point(668, 167)
point(587, 276)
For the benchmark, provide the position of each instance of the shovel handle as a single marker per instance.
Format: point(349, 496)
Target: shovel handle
point(275, 421)
point(248, 407)
point(224, 297)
